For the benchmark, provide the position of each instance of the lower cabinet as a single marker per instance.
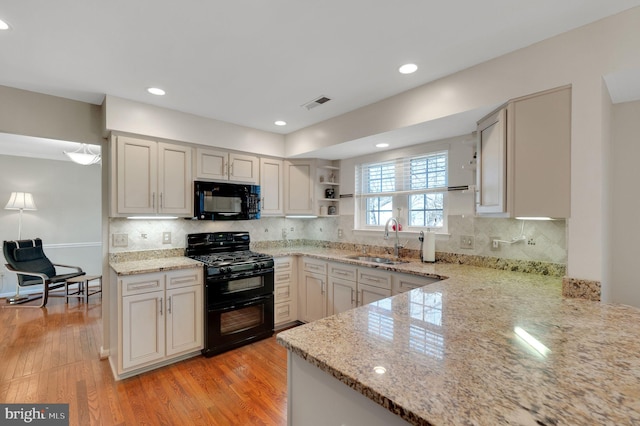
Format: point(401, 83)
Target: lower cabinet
point(342, 288)
point(373, 285)
point(160, 317)
point(401, 283)
point(312, 297)
point(285, 303)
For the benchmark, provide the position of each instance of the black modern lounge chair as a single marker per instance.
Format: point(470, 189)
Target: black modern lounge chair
point(27, 259)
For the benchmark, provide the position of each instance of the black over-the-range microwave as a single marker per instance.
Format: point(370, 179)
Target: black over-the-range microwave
point(226, 201)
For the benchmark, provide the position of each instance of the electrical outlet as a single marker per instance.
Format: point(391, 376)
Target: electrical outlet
point(495, 245)
point(340, 233)
point(120, 240)
point(166, 238)
point(466, 242)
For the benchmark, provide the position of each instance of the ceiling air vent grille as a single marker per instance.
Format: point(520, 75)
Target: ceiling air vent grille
point(316, 102)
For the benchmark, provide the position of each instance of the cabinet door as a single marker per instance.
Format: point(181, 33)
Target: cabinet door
point(299, 187)
point(314, 296)
point(540, 127)
point(243, 168)
point(136, 164)
point(174, 179)
point(184, 320)
point(342, 295)
point(212, 164)
point(143, 330)
point(492, 164)
point(369, 294)
point(272, 186)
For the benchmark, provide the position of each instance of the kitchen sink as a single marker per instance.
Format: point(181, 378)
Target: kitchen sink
point(373, 259)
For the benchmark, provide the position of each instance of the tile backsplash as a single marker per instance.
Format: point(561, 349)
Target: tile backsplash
point(546, 241)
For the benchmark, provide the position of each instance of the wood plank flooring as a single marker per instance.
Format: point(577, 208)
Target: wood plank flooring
point(50, 355)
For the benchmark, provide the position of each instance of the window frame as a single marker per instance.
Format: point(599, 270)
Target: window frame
point(400, 197)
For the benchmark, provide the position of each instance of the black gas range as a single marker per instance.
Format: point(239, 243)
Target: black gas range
point(238, 289)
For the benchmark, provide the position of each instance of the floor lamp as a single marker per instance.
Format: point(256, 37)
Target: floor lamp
point(20, 201)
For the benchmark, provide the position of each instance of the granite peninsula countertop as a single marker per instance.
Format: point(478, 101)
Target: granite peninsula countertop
point(453, 355)
point(142, 266)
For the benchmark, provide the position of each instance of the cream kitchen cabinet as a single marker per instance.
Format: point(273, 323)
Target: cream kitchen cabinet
point(285, 294)
point(220, 165)
point(272, 187)
point(373, 285)
point(401, 283)
point(160, 319)
point(152, 177)
point(342, 279)
point(312, 289)
point(524, 157)
point(299, 187)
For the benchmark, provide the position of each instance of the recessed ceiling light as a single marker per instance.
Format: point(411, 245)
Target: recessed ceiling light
point(382, 145)
point(280, 123)
point(3, 25)
point(408, 68)
point(156, 91)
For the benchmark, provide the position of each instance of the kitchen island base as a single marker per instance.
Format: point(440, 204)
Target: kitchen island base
point(317, 399)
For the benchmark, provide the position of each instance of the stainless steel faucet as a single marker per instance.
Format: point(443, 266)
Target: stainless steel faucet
point(396, 246)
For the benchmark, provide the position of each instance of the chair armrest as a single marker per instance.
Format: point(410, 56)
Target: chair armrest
point(43, 277)
point(77, 268)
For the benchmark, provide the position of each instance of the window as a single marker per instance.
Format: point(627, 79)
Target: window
point(412, 189)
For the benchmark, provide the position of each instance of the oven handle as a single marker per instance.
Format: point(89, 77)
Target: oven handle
point(240, 304)
point(224, 278)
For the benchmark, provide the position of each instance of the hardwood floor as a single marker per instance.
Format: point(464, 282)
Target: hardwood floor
point(50, 355)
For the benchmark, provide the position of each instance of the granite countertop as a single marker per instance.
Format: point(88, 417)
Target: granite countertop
point(453, 355)
point(142, 266)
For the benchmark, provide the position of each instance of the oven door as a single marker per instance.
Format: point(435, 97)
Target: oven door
point(231, 289)
point(237, 324)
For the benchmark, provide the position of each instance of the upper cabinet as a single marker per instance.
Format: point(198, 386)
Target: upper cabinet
point(151, 177)
point(272, 186)
point(299, 187)
point(311, 187)
point(223, 165)
point(524, 157)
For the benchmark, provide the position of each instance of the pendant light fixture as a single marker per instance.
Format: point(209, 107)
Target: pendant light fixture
point(83, 155)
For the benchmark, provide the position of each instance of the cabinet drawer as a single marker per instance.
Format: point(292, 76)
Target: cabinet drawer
point(284, 312)
point(184, 277)
point(342, 271)
point(404, 282)
point(282, 292)
point(282, 277)
point(142, 283)
point(283, 264)
point(375, 278)
point(315, 266)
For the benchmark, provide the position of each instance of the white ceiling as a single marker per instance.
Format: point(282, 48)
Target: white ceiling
point(252, 62)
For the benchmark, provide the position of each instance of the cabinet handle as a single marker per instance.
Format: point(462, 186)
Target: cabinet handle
point(337, 272)
point(181, 281)
point(141, 286)
point(322, 288)
point(231, 168)
point(161, 306)
point(169, 305)
point(161, 200)
point(153, 200)
point(352, 292)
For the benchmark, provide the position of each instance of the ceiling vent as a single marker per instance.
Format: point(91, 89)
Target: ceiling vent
point(316, 102)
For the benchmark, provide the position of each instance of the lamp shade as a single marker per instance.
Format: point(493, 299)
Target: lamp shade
point(21, 201)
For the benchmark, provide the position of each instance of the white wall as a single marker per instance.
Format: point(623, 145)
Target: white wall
point(123, 115)
point(68, 219)
point(580, 57)
point(625, 215)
